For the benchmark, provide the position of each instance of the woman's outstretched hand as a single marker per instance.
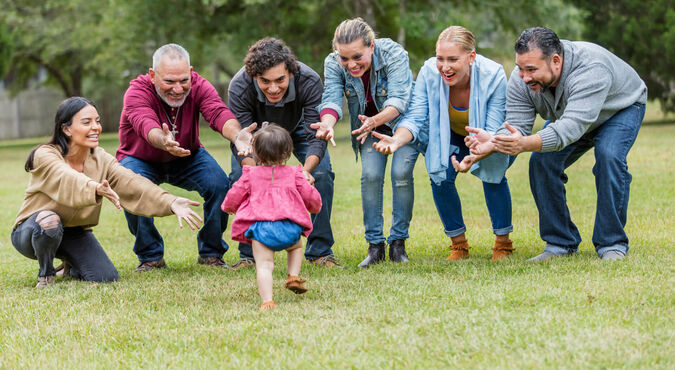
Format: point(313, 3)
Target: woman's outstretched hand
point(465, 164)
point(387, 144)
point(181, 208)
point(103, 189)
point(480, 142)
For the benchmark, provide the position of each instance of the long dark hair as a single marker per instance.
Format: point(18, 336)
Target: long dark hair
point(64, 116)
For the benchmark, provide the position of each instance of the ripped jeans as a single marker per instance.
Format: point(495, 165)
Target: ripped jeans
point(373, 167)
point(74, 245)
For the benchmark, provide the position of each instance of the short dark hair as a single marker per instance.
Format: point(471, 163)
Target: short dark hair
point(272, 145)
point(267, 53)
point(541, 38)
point(64, 117)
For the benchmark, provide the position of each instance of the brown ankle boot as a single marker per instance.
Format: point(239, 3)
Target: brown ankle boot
point(502, 249)
point(267, 305)
point(294, 284)
point(459, 250)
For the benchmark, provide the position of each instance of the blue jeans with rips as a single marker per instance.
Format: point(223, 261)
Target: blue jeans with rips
point(197, 172)
point(320, 240)
point(449, 206)
point(74, 245)
point(373, 166)
point(612, 141)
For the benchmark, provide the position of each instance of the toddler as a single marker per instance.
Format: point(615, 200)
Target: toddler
point(271, 202)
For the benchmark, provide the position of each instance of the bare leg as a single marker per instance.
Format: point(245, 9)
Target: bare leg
point(264, 265)
point(295, 260)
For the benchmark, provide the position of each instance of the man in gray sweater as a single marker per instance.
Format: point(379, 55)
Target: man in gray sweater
point(590, 98)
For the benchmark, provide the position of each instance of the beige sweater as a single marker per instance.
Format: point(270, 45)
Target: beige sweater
point(56, 186)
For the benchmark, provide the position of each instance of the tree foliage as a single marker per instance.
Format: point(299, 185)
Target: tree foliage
point(94, 48)
point(641, 32)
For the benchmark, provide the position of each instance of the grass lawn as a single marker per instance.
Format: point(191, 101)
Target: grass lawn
point(575, 312)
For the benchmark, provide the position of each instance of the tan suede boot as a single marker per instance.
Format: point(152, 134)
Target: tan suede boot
point(502, 249)
point(459, 250)
point(295, 284)
point(267, 305)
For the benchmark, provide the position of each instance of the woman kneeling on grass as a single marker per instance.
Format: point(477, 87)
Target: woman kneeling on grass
point(271, 202)
point(69, 176)
point(456, 92)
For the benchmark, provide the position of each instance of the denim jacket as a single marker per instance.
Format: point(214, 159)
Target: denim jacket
point(429, 122)
point(390, 75)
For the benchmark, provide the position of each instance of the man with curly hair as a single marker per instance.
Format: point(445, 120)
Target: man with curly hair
point(274, 86)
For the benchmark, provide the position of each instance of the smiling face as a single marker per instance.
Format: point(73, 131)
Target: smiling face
point(356, 57)
point(274, 82)
point(85, 128)
point(454, 63)
point(537, 71)
point(172, 80)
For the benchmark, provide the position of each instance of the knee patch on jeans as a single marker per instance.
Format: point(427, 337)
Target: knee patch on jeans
point(50, 223)
point(401, 183)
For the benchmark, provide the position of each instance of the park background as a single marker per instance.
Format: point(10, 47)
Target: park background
point(574, 312)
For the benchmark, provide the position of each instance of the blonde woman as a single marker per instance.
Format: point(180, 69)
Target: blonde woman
point(374, 75)
point(456, 91)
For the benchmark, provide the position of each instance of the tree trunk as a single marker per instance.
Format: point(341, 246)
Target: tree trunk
point(365, 10)
point(400, 38)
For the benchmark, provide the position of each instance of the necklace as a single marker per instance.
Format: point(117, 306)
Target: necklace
point(173, 124)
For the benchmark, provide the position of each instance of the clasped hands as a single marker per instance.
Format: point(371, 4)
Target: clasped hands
point(482, 144)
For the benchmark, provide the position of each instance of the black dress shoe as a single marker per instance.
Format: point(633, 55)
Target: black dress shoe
point(375, 255)
point(397, 251)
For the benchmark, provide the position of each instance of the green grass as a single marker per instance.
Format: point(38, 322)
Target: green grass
point(575, 312)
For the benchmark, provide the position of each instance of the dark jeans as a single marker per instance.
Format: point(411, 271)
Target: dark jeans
point(449, 206)
point(196, 172)
point(320, 240)
point(74, 245)
point(612, 141)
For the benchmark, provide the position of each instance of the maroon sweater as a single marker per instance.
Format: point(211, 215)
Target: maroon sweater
point(144, 110)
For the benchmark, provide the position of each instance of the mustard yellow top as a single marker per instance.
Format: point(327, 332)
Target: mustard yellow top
point(459, 118)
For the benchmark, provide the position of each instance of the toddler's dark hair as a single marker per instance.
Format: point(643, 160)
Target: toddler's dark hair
point(272, 145)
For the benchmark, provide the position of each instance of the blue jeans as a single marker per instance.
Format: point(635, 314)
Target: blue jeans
point(74, 245)
point(612, 141)
point(373, 166)
point(320, 240)
point(449, 206)
point(197, 172)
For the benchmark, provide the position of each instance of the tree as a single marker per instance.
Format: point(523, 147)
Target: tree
point(641, 32)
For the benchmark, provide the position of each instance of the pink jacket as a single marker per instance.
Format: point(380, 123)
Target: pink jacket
point(271, 194)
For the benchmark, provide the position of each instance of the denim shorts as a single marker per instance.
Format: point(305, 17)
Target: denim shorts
point(275, 235)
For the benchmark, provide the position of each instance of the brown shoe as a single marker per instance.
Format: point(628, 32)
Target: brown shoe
point(459, 250)
point(502, 250)
point(44, 281)
point(213, 261)
point(243, 263)
point(267, 305)
point(294, 284)
point(63, 269)
point(150, 265)
point(326, 261)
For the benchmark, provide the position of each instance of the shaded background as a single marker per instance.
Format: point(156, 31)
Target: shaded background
point(51, 49)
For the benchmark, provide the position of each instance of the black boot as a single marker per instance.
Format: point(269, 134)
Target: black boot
point(397, 251)
point(375, 255)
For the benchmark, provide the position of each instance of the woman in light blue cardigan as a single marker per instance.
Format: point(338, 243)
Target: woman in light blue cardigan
point(456, 91)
